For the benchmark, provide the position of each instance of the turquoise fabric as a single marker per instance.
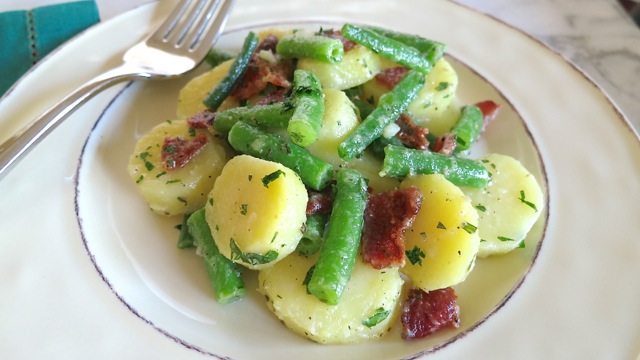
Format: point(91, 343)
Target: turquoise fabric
point(26, 36)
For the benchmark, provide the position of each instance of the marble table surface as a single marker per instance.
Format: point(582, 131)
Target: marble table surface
point(598, 36)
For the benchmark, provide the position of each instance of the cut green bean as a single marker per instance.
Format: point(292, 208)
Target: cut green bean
point(313, 231)
point(390, 106)
point(250, 140)
point(216, 57)
point(400, 162)
point(237, 69)
point(338, 254)
point(315, 47)
point(431, 50)
point(224, 276)
point(306, 121)
point(468, 127)
point(185, 239)
point(270, 116)
point(391, 49)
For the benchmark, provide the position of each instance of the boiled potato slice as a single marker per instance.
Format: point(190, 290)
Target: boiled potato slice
point(432, 107)
point(196, 90)
point(179, 191)
point(256, 211)
point(508, 206)
point(340, 118)
point(443, 241)
point(358, 66)
point(370, 293)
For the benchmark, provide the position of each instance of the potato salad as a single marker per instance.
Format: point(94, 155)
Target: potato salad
point(335, 163)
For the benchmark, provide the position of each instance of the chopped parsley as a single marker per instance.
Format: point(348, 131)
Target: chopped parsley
point(504, 238)
point(441, 226)
point(268, 179)
point(147, 164)
point(415, 255)
point(376, 318)
point(528, 203)
point(251, 258)
point(443, 85)
point(469, 228)
point(481, 207)
point(243, 209)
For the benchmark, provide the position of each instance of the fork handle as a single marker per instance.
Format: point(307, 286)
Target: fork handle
point(18, 145)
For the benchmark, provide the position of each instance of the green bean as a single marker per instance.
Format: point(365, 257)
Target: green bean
point(313, 232)
point(431, 50)
point(390, 106)
point(400, 162)
point(338, 253)
point(271, 116)
point(237, 69)
point(224, 276)
point(185, 239)
point(250, 140)
point(315, 47)
point(216, 57)
point(391, 49)
point(306, 121)
point(468, 127)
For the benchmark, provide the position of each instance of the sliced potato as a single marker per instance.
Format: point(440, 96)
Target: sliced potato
point(432, 107)
point(256, 211)
point(196, 90)
point(367, 306)
point(443, 241)
point(358, 66)
point(508, 206)
point(183, 190)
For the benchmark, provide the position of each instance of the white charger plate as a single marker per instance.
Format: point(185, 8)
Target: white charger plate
point(56, 303)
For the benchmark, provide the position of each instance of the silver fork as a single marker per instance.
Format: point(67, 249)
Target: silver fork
point(177, 46)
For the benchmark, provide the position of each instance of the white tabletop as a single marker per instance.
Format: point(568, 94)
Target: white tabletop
point(597, 36)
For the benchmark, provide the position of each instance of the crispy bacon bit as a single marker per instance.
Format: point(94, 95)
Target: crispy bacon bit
point(337, 34)
point(391, 77)
point(412, 135)
point(202, 120)
point(176, 151)
point(269, 43)
point(490, 110)
point(261, 73)
point(445, 144)
point(386, 217)
point(424, 313)
point(320, 202)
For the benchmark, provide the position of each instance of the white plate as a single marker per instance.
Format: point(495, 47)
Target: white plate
point(578, 300)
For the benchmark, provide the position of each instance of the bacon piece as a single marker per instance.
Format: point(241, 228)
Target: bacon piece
point(269, 43)
point(424, 313)
point(445, 144)
point(260, 72)
point(412, 135)
point(389, 78)
point(386, 217)
point(337, 34)
point(201, 120)
point(176, 151)
point(490, 110)
point(320, 202)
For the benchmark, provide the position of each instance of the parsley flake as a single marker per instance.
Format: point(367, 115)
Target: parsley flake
point(268, 179)
point(376, 318)
point(251, 258)
point(528, 203)
point(415, 255)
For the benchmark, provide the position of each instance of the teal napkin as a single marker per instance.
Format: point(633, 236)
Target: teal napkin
point(26, 36)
